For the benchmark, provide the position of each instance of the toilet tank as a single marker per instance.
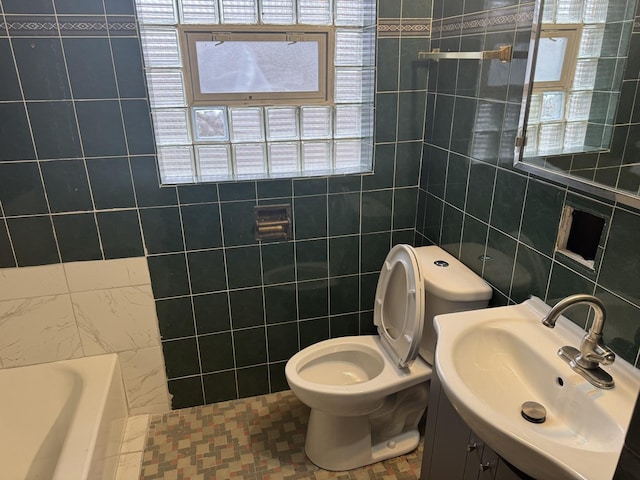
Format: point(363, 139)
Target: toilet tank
point(450, 286)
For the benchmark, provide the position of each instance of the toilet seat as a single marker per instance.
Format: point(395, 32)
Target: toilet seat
point(399, 305)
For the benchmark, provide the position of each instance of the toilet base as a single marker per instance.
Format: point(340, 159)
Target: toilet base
point(344, 443)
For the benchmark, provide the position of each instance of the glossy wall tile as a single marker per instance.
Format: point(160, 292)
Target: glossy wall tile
point(85, 187)
point(502, 222)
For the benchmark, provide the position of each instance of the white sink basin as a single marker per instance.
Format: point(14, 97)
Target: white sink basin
point(492, 361)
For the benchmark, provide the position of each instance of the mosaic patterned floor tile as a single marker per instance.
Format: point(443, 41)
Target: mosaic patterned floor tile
point(258, 438)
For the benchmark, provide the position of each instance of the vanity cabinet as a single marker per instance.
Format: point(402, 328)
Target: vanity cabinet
point(452, 451)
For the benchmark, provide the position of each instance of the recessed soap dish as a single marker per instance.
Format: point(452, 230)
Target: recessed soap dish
point(272, 222)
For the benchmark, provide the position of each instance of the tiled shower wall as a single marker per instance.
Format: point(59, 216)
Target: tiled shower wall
point(504, 223)
point(498, 220)
point(78, 182)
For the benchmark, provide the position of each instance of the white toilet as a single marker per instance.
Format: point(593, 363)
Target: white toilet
point(367, 393)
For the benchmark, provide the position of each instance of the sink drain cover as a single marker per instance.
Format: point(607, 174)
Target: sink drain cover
point(533, 412)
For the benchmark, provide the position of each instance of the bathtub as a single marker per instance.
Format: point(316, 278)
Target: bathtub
point(62, 420)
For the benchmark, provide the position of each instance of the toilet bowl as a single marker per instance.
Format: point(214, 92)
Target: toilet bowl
point(368, 393)
point(350, 377)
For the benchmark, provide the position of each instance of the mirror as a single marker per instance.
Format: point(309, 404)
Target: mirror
point(580, 116)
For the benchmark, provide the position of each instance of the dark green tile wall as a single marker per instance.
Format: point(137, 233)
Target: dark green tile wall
point(471, 198)
point(232, 310)
point(85, 186)
point(473, 202)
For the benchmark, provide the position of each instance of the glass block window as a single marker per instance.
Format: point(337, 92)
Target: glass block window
point(259, 88)
point(572, 46)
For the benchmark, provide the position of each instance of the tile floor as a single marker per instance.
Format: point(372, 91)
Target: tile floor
point(258, 438)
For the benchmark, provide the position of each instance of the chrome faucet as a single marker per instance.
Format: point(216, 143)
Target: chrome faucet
point(593, 352)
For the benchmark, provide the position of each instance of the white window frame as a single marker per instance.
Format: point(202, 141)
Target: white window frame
point(573, 33)
point(189, 35)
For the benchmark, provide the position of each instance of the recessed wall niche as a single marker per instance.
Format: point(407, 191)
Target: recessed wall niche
point(580, 236)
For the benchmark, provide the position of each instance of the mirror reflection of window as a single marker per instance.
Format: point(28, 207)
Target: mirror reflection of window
point(553, 50)
point(564, 117)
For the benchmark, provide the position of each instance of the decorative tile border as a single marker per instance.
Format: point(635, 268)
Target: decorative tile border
point(526, 14)
point(389, 27)
point(30, 25)
point(486, 21)
point(69, 25)
point(419, 27)
point(398, 27)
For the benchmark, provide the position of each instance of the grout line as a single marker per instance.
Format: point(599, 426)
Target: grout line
point(125, 136)
point(192, 303)
point(33, 143)
point(327, 229)
point(6, 226)
point(264, 302)
point(518, 241)
point(226, 274)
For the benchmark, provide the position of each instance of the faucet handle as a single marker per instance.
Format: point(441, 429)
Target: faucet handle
point(601, 355)
point(593, 352)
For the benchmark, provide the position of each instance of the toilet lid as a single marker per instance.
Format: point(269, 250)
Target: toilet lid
point(399, 305)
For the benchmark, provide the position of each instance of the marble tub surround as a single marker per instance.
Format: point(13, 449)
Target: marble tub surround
point(72, 310)
point(135, 436)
